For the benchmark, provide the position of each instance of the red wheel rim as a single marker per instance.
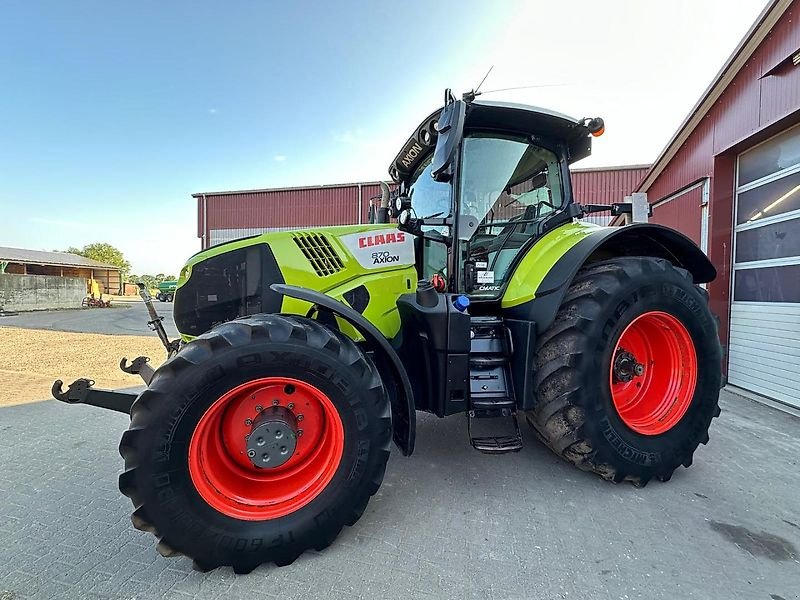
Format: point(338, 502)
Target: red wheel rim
point(225, 477)
point(653, 373)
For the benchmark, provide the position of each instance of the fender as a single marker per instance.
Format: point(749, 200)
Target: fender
point(404, 416)
point(639, 239)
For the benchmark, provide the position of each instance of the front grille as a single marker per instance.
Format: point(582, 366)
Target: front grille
point(319, 252)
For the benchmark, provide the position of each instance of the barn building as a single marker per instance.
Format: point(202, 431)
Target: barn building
point(21, 261)
point(37, 280)
point(225, 216)
point(730, 179)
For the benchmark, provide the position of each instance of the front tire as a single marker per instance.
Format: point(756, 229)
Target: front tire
point(190, 464)
point(628, 375)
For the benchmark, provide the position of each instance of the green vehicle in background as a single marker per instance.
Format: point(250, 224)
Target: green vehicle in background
point(166, 290)
point(303, 354)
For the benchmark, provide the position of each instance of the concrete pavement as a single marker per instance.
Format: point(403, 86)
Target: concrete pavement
point(125, 318)
point(447, 523)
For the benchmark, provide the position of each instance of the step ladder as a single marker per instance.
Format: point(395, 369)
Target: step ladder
point(491, 389)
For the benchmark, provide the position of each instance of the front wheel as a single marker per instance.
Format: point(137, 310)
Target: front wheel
point(257, 441)
point(628, 375)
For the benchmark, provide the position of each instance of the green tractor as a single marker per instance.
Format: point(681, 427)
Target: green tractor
point(166, 290)
point(303, 354)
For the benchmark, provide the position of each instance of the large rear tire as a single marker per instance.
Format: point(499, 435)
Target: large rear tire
point(628, 375)
point(190, 463)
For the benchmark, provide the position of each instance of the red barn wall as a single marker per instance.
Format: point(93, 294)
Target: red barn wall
point(762, 100)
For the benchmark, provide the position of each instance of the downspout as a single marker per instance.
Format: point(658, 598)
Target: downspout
point(205, 222)
point(360, 205)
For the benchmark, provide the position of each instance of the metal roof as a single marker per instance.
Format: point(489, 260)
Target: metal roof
point(325, 186)
point(59, 259)
point(749, 44)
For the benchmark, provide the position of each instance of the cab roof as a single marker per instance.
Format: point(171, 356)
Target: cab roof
point(507, 117)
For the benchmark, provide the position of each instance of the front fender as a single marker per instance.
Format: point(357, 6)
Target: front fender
point(404, 417)
point(580, 244)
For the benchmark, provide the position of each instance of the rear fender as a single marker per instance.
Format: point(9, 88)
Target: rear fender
point(640, 239)
point(401, 396)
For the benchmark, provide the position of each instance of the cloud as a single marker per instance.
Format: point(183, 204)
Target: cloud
point(279, 158)
point(212, 111)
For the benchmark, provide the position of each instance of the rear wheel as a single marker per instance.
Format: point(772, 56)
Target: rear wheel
point(257, 441)
point(628, 375)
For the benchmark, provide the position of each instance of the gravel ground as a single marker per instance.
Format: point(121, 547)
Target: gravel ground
point(34, 352)
point(447, 523)
point(31, 359)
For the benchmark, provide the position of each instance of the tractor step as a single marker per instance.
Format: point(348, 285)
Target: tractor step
point(496, 444)
point(491, 390)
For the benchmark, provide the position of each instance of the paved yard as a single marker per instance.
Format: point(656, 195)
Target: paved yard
point(448, 522)
point(126, 318)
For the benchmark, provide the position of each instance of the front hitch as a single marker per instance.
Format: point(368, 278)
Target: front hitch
point(81, 391)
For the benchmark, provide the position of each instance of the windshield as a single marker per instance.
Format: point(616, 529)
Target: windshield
point(429, 198)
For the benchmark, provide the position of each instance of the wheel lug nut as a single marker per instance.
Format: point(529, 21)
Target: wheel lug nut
point(248, 421)
point(259, 408)
point(276, 402)
point(251, 453)
point(284, 450)
point(290, 406)
point(278, 435)
point(299, 432)
point(265, 457)
point(260, 441)
point(299, 417)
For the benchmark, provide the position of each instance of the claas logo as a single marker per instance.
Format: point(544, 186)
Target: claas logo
point(380, 239)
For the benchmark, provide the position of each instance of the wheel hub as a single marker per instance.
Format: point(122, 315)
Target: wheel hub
point(273, 438)
point(293, 423)
point(626, 367)
point(652, 397)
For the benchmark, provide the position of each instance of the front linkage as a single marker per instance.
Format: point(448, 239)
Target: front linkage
point(82, 391)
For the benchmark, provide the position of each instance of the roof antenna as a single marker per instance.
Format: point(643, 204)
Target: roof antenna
point(471, 95)
point(527, 87)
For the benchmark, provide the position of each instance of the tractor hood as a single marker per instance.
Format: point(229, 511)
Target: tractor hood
point(365, 266)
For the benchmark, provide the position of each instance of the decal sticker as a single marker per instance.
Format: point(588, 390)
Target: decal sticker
point(212, 297)
point(488, 288)
point(481, 264)
point(485, 276)
point(381, 248)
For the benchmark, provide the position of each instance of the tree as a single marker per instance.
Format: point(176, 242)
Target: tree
point(150, 281)
point(103, 252)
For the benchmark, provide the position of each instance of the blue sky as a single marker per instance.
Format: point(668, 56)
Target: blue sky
point(113, 113)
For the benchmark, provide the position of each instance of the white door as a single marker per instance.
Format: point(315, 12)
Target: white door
point(765, 310)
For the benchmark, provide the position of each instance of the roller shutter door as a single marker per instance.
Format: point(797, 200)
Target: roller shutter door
point(764, 349)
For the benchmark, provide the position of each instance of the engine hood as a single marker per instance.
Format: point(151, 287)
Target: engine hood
point(366, 266)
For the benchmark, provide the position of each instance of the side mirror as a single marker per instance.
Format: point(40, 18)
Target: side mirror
point(451, 129)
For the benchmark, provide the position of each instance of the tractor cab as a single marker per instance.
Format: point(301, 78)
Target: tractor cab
point(479, 182)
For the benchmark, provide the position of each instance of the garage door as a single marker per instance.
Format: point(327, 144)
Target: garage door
point(765, 311)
